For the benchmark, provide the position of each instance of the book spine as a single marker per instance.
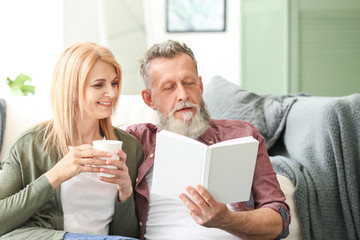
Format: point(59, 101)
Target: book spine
point(206, 168)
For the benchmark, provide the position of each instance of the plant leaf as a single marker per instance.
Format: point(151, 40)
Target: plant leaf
point(9, 81)
point(28, 89)
point(16, 91)
point(19, 86)
point(21, 79)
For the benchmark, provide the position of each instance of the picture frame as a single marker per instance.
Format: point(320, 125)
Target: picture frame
point(195, 16)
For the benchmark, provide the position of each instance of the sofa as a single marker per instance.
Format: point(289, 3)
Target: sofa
point(280, 117)
point(313, 141)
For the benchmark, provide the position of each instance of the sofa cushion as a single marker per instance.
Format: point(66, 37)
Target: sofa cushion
point(226, 100)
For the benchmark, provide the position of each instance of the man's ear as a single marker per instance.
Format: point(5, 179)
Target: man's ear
point(147, 97)
point(201, 84)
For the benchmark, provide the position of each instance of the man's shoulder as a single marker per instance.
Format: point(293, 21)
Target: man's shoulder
point(142, 127)
point(125, 136)
point(142, 131)
point(228, 128)
point(230, 123)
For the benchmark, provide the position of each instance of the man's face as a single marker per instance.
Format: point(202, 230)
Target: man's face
point(175, 81)
point(191, 126)
point(177, 96)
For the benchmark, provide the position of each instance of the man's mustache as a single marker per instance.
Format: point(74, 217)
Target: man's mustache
point(184, 105)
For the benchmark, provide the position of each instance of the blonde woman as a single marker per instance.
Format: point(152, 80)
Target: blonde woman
point(49, 186)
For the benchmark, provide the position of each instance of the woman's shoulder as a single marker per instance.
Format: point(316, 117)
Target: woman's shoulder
point(127, 138)
point(28, 141)
point(32, 134)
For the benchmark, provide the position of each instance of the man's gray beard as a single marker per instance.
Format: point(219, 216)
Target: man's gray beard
point(190, 126)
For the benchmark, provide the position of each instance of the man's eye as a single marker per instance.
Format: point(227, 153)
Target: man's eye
point(168, 87)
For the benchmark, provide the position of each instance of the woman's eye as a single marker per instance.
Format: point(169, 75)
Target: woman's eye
point(115, 83)
point(99, 85)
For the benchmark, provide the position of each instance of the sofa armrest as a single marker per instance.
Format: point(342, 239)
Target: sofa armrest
point(287, 187)
point(21, 113)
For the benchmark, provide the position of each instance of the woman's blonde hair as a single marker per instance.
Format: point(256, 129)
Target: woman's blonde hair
point(67, 93)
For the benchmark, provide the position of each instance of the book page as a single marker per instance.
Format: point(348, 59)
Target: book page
point(231, 170)
point(227, 174)
point(178, 164)
point(234, 141)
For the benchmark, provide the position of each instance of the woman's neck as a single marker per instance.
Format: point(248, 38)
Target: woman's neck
point(88, 133)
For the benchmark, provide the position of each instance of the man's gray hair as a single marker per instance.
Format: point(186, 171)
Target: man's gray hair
point(166, 49)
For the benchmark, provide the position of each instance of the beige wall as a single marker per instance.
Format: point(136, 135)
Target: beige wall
point(218, 53)
point(30, 41)
point(33, 37)
point(117, 24)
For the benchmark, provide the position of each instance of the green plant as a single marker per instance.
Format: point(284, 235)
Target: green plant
point(20, 86)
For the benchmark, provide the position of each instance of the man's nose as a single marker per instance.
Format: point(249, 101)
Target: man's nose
point(183, 94)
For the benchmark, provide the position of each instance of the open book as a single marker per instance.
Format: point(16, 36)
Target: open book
point(225, 169)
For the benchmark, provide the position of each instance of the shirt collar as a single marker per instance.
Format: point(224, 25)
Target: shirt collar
point(208, 136)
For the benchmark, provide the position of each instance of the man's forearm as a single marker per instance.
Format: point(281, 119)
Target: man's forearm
point(263, 223)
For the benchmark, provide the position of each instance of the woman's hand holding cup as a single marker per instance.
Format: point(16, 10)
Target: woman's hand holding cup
point(79, 159)
point(115, 171)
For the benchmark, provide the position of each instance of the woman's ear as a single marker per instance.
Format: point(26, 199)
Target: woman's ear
point(147, 97)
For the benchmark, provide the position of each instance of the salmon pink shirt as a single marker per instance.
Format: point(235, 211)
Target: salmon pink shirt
point(265, 193)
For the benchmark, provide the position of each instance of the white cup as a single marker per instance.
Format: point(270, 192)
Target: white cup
point(109, 146)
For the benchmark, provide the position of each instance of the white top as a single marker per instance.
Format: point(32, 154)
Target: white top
point(88, 204)
point(169, 219)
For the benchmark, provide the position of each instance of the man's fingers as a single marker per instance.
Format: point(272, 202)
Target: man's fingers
point(205, 195)
point(191, 206)
point(198, 199)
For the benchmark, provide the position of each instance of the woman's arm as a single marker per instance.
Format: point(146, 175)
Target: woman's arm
point(17, 202)
point(125, 222)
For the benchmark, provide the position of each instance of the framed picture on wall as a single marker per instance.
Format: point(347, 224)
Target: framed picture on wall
point(195, 15)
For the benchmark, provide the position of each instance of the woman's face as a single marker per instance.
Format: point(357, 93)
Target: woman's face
point(101, 91)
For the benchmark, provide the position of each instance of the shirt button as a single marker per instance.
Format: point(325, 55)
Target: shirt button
point(137, 179)
point(140, 224)
point(151, 155)
point(211, 142)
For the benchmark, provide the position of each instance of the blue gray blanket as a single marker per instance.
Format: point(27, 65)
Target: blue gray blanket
point(2, 122)
point(321, 155)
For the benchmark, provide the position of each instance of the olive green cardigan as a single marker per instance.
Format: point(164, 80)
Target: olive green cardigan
point(31, 209)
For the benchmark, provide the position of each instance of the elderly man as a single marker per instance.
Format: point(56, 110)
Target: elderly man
point(174, 89)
